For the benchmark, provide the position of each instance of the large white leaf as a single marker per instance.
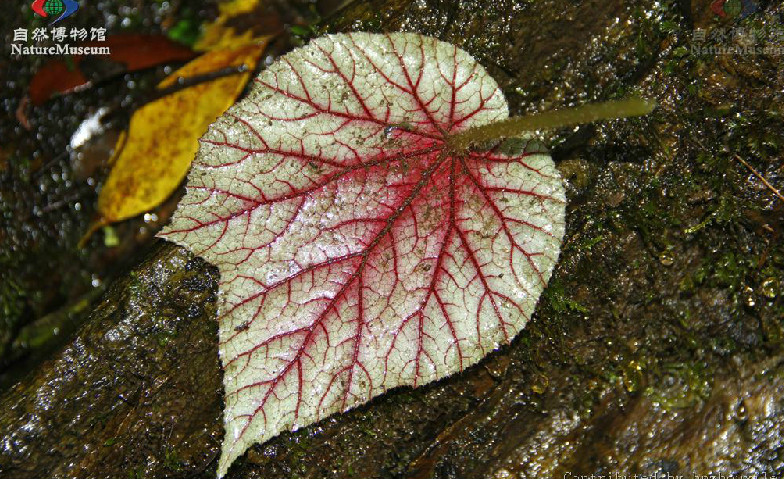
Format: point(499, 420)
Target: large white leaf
point(357, 252)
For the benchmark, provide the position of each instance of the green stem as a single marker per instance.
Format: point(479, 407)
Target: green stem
point(518, 126)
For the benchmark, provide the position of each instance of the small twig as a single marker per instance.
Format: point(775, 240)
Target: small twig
point(761, 178)
point(755, 172)
point(185, 82)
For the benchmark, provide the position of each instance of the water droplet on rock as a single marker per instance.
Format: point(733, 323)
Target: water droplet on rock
point(768, 288)
point(748, 294)
point(666, 259)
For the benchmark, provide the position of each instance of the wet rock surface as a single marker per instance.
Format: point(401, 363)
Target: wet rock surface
point(141, 376)
point(657, 346)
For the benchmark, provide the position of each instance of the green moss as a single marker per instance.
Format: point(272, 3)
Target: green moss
point(185, 31)
point(560, 301)
point(633, 375)
point(679, 385)
point(171, 460)
point(164, 337)
point(137, 473)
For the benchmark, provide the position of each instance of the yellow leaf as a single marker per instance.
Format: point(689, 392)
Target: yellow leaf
point(162, 138)
point(223, 32)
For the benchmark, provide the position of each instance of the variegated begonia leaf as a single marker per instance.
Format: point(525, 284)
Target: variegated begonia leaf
point(357, 251)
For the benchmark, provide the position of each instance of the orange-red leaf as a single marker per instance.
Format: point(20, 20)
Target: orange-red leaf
point(129, 52)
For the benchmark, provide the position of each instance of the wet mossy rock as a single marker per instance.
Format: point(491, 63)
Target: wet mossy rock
point(140, 376)
point(657, 347)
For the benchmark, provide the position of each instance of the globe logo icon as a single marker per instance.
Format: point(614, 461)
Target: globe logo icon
point(54, 7)
point(733, 8)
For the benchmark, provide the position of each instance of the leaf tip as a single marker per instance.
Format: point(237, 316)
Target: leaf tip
point(231, 449)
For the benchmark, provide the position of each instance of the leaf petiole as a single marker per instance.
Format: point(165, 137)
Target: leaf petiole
point(518, 126)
